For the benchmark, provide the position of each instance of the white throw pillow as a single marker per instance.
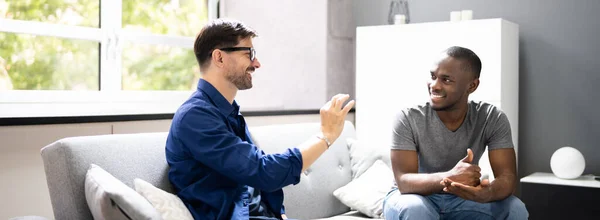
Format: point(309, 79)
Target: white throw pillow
point(168, 205)
point(362, 156)
point(366, 193)
point(109, 198)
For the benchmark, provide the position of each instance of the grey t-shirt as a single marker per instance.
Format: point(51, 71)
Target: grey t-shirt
point(439, 149)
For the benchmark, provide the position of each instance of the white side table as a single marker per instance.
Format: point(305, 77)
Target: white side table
point(549, 197)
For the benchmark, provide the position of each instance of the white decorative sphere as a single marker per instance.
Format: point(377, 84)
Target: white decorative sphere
point(567, 163)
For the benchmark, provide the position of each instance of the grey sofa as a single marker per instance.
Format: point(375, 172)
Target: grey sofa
point(129, 156)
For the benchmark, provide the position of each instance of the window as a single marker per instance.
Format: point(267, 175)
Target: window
point(92, 57)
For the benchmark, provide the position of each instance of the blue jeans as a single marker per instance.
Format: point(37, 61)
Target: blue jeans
point(449, 206)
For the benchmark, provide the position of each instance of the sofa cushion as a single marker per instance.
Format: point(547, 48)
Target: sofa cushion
point(366, 193)
point(168, 205)
point(363, 155)
point(109, 198)
point(351, 215)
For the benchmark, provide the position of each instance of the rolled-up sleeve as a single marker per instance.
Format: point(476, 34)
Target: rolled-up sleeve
point(204, 133)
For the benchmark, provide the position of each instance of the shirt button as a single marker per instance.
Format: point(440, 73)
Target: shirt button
point(340, 166)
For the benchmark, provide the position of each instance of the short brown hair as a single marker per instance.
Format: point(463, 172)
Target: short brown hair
point(219, 33)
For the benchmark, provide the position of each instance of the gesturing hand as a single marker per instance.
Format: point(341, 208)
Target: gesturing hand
point(333, 116)
point(481, 193)
point(464, 172)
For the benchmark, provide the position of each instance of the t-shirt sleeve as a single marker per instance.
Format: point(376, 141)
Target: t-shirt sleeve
point(402, 135)
point(499, 135)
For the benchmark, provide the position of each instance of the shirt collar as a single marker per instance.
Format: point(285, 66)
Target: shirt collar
point(218, 98)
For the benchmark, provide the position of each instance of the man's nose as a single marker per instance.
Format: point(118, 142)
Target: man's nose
point(256, 63)
point(434, 84)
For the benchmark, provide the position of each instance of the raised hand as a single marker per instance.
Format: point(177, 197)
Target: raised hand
point(333, 116)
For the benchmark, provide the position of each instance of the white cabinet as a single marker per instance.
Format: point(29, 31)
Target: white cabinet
point(393, 64)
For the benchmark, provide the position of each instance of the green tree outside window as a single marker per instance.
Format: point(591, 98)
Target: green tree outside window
point(29, 62)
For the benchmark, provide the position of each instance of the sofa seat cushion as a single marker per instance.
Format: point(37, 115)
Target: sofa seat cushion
point(351, 215)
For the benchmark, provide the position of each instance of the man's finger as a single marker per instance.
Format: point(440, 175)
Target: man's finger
point(334, 100)
point(461, 190)
point(477, 168)
point(462, 187)
point(485, 183)
point(342, 100)
point(453, 189)
point(327, 105)
point(348, 107)
point(478, 175)
point(446, 182)
point(469, 157)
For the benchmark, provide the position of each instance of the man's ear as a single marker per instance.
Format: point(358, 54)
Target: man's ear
point(473, 85)
point(217, 58)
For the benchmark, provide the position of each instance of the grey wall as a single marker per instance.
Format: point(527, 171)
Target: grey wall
point(340, 48)
point(306, 49)
point(558, 66)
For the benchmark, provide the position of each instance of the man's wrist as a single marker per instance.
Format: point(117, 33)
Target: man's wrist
point(443, 175)
point(325, 139)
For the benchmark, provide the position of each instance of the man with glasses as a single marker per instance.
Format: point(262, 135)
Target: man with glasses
point(215, 168)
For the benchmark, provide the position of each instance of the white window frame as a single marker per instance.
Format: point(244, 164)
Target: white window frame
point(110, 99)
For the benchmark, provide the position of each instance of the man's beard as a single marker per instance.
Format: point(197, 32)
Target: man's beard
point(241, 81)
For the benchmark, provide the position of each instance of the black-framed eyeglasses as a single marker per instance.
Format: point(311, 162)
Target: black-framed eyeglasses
point(249, 49)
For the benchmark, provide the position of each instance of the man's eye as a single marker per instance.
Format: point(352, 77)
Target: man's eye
point(447, 80)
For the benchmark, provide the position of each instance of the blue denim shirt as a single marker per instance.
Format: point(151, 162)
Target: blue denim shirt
point(213, 160)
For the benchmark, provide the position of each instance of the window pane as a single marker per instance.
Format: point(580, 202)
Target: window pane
point(68, 12)
point(29, 62)
point(170, 17)
point(159, 67)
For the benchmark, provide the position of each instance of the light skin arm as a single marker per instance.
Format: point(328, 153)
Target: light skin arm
point(503, 162)
point(405, 167)
point(332, 124)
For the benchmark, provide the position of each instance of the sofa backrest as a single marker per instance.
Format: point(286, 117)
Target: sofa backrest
point(130, 156)
point(125, 156)
point(312, 198)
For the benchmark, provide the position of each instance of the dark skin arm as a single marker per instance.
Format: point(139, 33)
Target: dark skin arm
point(405, 166)
point(503, 162)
